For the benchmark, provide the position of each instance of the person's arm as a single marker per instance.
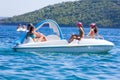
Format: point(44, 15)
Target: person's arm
point(92, 33)
point(89, 34)
point(82, 33)
point(38, 34)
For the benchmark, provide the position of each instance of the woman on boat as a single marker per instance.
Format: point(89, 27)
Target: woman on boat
point(78, 36)
point(35, 35)
point(93, 30)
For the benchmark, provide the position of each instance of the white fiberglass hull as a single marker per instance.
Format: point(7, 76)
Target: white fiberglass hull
point(74, 49)
point(83, 46)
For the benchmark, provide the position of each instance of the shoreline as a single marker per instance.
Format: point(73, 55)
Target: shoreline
point(60, 25)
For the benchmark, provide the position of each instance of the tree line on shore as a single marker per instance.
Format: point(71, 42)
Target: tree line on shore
point(105, 13)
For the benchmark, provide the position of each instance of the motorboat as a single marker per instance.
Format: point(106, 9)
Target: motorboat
point(22, 29)
point(57, 43)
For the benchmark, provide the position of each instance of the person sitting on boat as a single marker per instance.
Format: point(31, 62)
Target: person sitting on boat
point(93, 30)
point(35, 35)
point(78, 36)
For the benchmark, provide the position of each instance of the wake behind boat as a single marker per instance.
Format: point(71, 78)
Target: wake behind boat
point(56, 43)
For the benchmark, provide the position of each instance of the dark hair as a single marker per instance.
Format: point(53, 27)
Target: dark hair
point(95, 30)
point(31, 29)
point(29, 26)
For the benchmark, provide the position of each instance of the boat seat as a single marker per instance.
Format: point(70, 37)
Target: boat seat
point(53, 37)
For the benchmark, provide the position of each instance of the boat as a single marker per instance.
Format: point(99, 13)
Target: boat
point(21, 29)
point(57, 43)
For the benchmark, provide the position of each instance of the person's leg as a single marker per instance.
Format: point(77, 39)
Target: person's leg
point(72, 38)
point(78, 38)
point(40, 39)
point(44, 38)
point(38, 34)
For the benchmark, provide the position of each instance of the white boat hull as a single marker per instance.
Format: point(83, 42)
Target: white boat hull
point(56, 43)
point(75, 49)
point(91, 46)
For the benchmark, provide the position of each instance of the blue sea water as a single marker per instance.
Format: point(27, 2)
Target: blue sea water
point(58, 66)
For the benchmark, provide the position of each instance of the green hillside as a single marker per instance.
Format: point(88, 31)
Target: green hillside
point(105, 13)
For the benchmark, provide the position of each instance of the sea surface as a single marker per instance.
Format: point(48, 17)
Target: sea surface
point(58, 66)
